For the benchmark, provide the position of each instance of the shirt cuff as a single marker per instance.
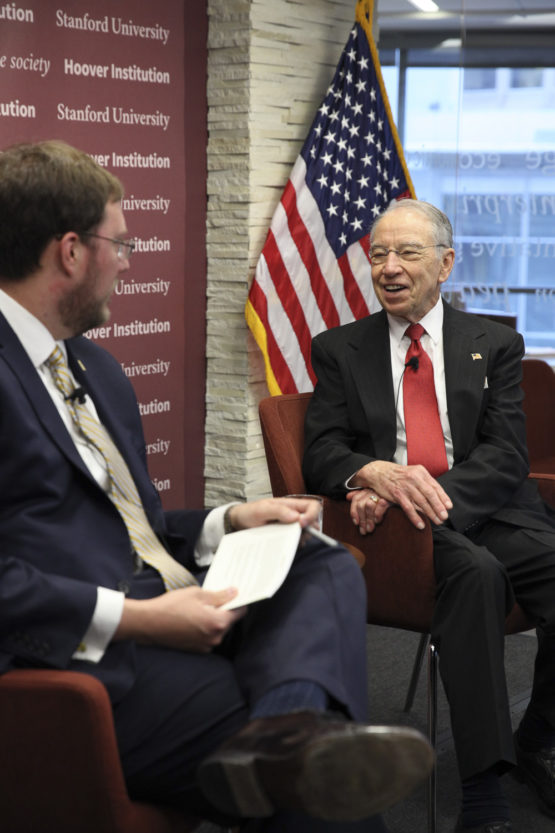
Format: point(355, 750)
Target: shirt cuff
point(352, 488)
point(211, 534)
point(105, 619)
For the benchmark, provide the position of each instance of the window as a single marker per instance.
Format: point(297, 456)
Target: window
point(478, 130)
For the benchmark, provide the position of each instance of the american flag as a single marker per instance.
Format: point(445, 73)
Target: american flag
point(313, 272)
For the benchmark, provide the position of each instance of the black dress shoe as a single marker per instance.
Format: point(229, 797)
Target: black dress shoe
point(310, 762)
point(537, 770)
point(488, 827)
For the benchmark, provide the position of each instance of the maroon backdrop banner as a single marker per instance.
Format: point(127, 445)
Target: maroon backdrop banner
point(109, 78)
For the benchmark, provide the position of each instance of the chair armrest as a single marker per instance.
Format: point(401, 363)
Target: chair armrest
point(57, 735)
point(546, 486)
point(398, 568)
point(60, 763)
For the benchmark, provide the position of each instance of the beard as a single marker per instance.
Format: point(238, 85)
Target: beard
point(82, 309)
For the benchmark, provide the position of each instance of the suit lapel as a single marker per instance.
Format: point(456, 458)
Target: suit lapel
point(466, 354)
point(87, 374)
point(369, 359)
point(40, 402)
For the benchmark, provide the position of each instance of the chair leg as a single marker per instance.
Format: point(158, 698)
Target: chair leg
point(432, 733)
point(418, 660)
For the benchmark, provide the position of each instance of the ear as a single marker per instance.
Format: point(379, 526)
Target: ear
point(70, 249)
point(447, 263)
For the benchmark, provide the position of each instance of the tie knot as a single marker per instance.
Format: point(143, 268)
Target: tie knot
point(415, 332)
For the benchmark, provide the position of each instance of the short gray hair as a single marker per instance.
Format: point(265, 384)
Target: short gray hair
point(441, 226)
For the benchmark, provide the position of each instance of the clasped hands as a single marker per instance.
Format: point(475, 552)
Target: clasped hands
point(381, 484)
point(193, 619)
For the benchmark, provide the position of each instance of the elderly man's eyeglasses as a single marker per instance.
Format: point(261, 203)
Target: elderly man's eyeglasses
point(408, 254)
point(125, 247)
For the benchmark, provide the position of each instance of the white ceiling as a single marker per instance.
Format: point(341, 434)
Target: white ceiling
point(470, 14)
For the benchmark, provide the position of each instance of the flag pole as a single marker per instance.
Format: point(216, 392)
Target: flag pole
point(364, 14)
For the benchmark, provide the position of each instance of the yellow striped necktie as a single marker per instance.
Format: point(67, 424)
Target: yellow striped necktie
point(123, 491)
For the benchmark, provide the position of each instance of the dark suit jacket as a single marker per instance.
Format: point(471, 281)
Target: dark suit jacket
point(60, 535)
point(351, 417)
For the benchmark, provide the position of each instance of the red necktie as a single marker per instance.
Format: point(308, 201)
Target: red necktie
point(425, 443)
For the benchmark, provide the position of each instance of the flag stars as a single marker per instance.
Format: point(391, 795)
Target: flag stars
point(329, 137)
point(327, 159)
point(331, 210)
point(338, 166)
point(363, 181)
point(356, 224)
point(335, 188)
point(363, 62)
point(360, 203)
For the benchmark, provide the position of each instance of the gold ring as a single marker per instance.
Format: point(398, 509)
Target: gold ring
point(375, 498)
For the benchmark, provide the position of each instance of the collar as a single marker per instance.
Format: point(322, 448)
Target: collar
point(35, 339)
point(432, 323)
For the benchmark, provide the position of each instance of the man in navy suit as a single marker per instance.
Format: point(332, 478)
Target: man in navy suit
point(242, 713)
point(493, 537)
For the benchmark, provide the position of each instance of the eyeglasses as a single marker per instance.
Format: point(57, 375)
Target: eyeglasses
point(408, 254)
point(125, 247)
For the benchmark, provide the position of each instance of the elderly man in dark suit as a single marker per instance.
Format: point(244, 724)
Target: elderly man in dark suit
point(230, 713)
point(419, 405)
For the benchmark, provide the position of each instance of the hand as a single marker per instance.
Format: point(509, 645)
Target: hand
point(367, 509)
point(412, 487)
point(285, 510)
point(188, 619)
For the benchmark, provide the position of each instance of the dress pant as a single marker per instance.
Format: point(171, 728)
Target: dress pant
point(184, 705)
point(478, 580)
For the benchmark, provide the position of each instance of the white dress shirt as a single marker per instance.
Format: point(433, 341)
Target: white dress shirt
point(38, 343)
point(432, 343)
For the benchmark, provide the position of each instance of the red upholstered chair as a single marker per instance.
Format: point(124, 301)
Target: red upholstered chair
point(538, 383)
point(59, 763)
point(398, 561)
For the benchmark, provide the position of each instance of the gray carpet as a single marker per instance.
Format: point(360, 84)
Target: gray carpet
point(391, 655)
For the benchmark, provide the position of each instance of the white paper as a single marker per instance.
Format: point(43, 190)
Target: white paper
point(255, 561)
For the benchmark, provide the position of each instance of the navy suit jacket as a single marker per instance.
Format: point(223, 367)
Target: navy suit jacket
point(351, 418)
point(60, 535)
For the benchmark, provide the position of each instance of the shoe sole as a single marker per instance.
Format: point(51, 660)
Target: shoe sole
point(341, 778)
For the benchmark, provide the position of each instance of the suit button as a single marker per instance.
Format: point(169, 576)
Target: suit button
point(124, 587)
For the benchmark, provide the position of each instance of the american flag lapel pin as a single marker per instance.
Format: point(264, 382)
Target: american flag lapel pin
point(476, 356)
